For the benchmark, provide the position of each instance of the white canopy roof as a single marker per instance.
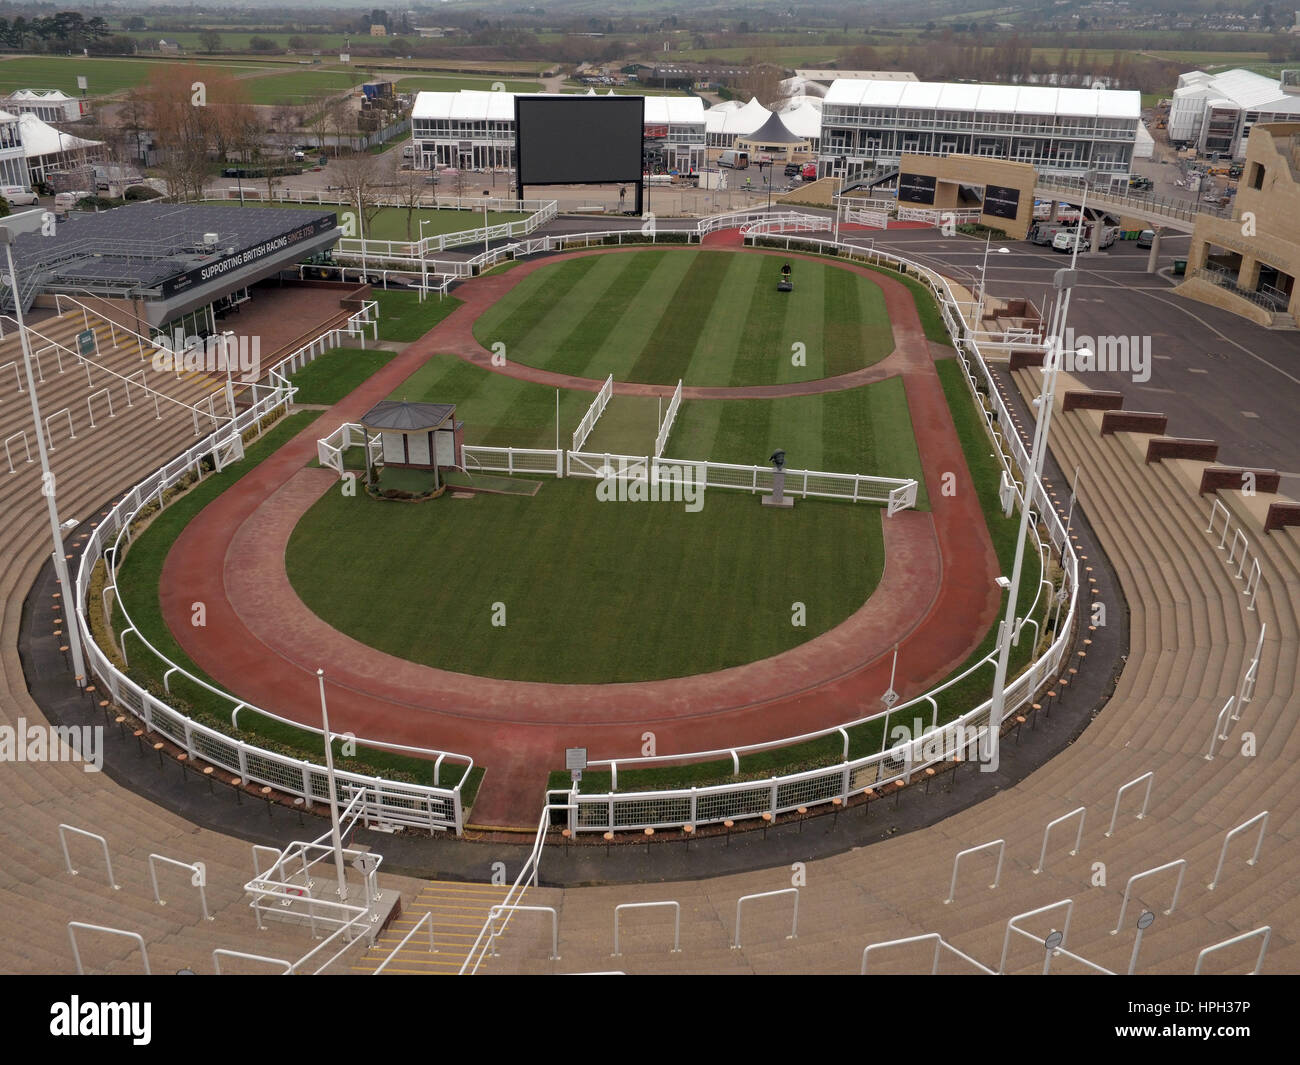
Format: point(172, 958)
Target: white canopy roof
point(730, 117)
point(1242, 88)
point(475, 105)
point(805, 120)
point(1008, 99)
point(40, 139)
point(468, 105)
point(53, 96)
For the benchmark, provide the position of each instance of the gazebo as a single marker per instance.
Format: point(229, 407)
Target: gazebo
point(420, 436)
point(774, 137)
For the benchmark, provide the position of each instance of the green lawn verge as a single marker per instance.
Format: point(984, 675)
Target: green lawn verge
point(331, 376)
point(403, 318)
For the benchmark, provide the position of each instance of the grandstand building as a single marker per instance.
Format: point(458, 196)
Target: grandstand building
point(473, 130)
point(167, 267)
point(13, 158)
point(1215, 112)
point(867, 123)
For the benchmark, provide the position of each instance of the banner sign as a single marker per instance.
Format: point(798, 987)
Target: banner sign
point(201, 275)
point(916, 188)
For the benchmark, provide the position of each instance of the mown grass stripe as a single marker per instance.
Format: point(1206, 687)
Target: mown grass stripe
point(666, 354)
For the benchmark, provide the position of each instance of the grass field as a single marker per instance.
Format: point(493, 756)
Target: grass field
point(864, 430)
point(103, 75)
point(553, 560)
point(389, 223)
point(329, 377)
point(452, 83)
point(402, 317)
point(707, 317)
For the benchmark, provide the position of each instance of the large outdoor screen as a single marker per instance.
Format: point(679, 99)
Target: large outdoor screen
point(578, 140)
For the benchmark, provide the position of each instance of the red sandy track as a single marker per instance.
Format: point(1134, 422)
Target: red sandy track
point(936, 599)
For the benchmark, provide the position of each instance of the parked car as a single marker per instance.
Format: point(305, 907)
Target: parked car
point(1067, 239)
point(19, 196)
point(1146, 238)
point(734, 160)
point(791, 169)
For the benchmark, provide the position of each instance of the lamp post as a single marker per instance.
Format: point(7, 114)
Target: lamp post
point(985, 266)
point(47, 478)
point(1064, 281)
point(329, 776)
point(486, 196)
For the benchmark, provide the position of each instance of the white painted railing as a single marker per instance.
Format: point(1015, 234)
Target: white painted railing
point(670, 416)
point(593, 414)
point(512, 460)
point(790, 222)
point(384, 802)
point(936, 217)
point(330, 449)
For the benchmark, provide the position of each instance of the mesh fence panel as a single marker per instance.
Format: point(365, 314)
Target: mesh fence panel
point(638, 813)
point(216, 750)
point(744, 802)
point(795, 793)
point(278, 774)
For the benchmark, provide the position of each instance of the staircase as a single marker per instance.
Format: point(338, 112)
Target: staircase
point(459, 911)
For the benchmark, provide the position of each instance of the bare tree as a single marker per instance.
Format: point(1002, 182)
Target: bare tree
point(410, 194)
point(359, 180)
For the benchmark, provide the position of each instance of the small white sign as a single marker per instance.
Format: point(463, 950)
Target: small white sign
point(575, 758)
point(81, 82)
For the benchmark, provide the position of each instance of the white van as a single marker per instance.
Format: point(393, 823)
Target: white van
point(19, 196)
point(734, 160)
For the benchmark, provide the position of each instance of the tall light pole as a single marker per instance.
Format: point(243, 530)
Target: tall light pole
point(1064, 281)
point(47, 478)
point(486, 195)
point(985, 266)
point(329, 776)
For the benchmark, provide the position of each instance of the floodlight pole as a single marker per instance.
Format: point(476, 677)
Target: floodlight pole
point(47, 478)
point(329, 776)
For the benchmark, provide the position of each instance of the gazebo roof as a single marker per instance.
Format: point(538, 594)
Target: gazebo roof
point(407, 417)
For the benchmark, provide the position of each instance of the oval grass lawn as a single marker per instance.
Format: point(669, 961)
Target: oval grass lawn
point(710, 318)
point(588, 591)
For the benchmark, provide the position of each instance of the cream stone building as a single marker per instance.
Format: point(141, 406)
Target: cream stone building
point(1248, 263)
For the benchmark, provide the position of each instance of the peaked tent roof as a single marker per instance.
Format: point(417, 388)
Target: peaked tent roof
point(407, 417)
point(41, 139)
point(774, 131)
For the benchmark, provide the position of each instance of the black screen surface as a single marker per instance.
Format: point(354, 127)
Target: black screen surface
point(576, 140)
point(1001, 202)
point(916, 188)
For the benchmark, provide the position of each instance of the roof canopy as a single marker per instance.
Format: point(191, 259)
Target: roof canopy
point(1007, 99)
point(392, 416)
point(40, 139)
point(774, 131)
